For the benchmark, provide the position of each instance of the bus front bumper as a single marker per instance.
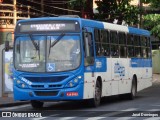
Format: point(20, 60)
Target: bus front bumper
point(75, 93)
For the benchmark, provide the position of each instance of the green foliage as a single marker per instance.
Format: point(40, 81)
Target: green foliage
point(77, 4)
point(153, 3)
point(146, 1)
point(117, 9)
point(152, 23)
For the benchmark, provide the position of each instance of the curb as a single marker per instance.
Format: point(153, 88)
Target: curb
point(13, 104)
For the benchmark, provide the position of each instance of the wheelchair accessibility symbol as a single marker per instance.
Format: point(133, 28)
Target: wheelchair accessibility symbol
point(50, 67)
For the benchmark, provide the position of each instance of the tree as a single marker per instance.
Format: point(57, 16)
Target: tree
point(78, 5)
point(117, 9)
point(152, 21)
point(153, 3)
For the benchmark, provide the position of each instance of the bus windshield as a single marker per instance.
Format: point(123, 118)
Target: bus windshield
point(42, 53)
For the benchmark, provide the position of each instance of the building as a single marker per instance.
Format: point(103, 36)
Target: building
point(10, 13)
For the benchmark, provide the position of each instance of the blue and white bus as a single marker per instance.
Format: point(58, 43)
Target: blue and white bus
point(66, 58)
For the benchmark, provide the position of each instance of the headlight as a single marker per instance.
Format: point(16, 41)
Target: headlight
point(70, 84)
point(18, 81)
point(73, 82)
point(76, 80)
point(23, 85)
point(20, 84)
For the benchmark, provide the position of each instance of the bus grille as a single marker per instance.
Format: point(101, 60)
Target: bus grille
point(46, 93)
point(42, 86)
point(46, 79)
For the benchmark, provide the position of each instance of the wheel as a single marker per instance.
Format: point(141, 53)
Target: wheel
point(36, 104)
point(95, 102)
point(132, 95)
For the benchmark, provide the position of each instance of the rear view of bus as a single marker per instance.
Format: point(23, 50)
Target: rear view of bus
point(47, 61)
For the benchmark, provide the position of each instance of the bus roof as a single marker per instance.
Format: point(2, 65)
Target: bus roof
point(95, 24)
point(114, 27)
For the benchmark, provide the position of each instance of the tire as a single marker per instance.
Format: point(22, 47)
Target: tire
point(133, 92)
point(36, 104)
point(95, 102)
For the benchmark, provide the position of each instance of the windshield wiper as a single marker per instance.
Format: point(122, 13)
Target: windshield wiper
point(35, 45)
point(56, 41)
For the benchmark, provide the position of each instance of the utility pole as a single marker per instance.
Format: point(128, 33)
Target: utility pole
point(14, 12)
point(42, 7)
point(28, 11)
point(140, 14)
point(81, 8)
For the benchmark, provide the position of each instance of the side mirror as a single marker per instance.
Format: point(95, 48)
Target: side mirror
point(7, 46)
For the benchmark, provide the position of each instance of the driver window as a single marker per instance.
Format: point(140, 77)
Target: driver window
point(88, 48)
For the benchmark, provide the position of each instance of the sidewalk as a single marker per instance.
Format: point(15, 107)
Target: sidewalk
point(9, 101)
point(156, 77)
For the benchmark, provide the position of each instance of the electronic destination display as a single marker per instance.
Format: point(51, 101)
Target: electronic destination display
point(48, 26)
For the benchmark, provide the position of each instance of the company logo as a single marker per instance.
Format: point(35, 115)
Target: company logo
point(119, 69)
point(21, 114)
point(98, 64)
point(6, 114)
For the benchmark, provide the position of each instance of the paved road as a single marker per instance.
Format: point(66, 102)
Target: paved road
point(147, 101)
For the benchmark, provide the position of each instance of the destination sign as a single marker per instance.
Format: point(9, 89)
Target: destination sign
point(51, 26)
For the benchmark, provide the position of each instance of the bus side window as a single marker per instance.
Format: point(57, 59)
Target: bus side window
point(105, 43)
point(122, 44)
point(137, 46)
point(143, 46)
point(130, 48)
point(114, 44)
point(97, 37)
point(148, 47)
point(88, 49)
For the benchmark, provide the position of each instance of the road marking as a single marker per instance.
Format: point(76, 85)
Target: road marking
point(118, 112)
point(16, 107)
point(67, 118)
point(130, 109)
point(95, 118)
point(154, 110)
point(125, 118)
point(41, 118)
point(153, 118)
point(45, 117)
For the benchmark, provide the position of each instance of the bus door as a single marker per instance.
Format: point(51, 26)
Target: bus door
point(88, 64)
point(120, 64)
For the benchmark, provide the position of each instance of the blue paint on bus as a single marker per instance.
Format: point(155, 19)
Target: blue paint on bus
point(137, 31)
point(65, 85)
point(139, 62)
